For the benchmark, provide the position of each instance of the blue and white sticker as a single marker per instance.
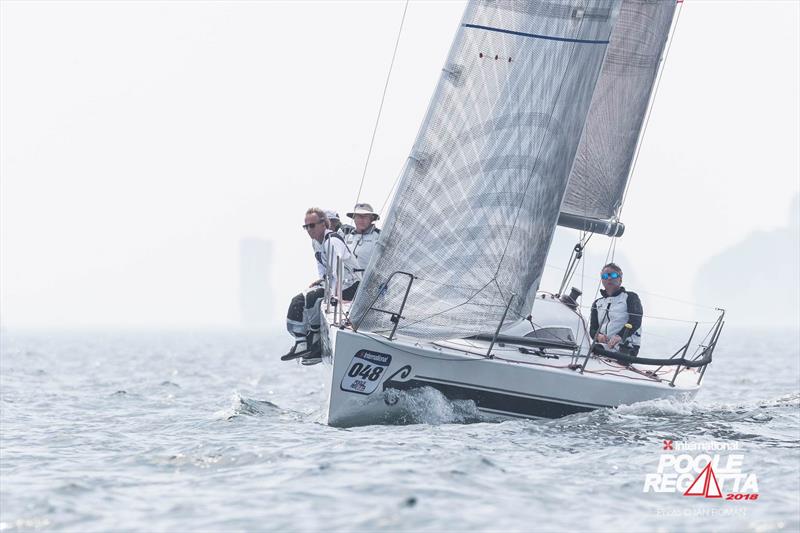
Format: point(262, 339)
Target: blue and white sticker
point(365, 372)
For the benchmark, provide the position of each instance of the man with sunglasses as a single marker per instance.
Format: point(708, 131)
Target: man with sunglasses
point(302, 319)
point(616, 319)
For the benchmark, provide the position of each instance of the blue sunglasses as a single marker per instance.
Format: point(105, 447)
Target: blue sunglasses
point(612, 275)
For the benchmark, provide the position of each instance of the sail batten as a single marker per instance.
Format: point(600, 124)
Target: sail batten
point(603, 162)
point(476, 207)
point(536, 36)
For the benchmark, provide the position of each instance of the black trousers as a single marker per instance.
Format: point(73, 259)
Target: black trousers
point(303, 302)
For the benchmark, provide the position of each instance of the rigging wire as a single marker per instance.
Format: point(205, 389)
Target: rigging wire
point(394, 185)
point(383, 98)
point(575, 258)
point(667, 319)
point(608, 255)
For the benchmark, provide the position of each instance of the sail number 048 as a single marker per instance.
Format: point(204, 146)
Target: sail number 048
point(365, 371)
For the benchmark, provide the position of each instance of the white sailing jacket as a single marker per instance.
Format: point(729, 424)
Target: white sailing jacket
point(363, 244)
point(611, 313)
point(326, 252)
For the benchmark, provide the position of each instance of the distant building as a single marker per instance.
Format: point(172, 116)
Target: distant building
point(255, 282)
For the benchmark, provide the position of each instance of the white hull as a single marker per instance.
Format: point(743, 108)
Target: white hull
point(367, 370)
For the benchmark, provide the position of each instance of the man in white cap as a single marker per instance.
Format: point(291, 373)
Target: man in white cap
point(362, 240)
point(336, 223)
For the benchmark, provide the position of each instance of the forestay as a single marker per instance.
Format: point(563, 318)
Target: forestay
point(619, 104)
point(478, 201)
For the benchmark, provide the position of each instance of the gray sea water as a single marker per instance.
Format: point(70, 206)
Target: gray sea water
point(209, 431)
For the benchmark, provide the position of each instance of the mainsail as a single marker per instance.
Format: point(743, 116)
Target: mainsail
point(619, 104)
point(478, 201)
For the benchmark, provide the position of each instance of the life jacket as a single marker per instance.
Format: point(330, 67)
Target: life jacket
point(351, 272)
point(611, 313)
point(363, 244)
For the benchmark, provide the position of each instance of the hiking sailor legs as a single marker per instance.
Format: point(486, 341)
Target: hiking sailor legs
point(303, 317)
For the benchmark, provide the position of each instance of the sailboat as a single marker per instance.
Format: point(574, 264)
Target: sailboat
point(534, 123)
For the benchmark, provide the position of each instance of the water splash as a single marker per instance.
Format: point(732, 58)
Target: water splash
point(675, 418)
point(241, 406)
point(426, 405)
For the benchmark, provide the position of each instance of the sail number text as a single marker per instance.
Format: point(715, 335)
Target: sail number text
point(365, 371)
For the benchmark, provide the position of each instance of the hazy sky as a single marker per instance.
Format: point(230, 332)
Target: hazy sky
point(141, 141)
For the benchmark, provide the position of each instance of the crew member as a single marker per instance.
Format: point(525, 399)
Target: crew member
point(302, 319)
point(335, 223)
point(616, 319)
point(363, 239)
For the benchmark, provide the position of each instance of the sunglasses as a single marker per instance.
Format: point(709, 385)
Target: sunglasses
point(612, 275)
point(311, 226)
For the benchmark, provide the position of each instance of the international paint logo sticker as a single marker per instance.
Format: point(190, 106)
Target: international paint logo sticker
point(365, 371)
point(714, 470)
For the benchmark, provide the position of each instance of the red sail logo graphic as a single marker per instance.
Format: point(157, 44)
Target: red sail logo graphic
point(705, 484)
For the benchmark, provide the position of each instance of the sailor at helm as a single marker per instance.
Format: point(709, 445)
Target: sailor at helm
point(617, 315)
point(362, 240)
point(302, 319)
